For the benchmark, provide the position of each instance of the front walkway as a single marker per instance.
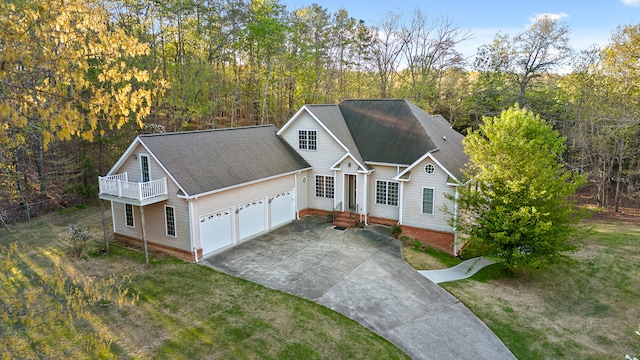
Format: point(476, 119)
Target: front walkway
point(465, 269)
point(361, 274)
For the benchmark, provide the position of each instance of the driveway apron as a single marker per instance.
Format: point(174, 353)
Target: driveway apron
point(361, 274)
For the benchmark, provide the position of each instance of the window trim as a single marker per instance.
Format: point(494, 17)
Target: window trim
point(126, 216)
point(433, 201)
point(306, 144)
point(146, 156)
point(431, 167)
point(386, 192)
point(166, 221)
point(324, 192)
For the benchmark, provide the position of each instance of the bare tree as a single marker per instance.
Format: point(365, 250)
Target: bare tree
point(539, 49)
point(389, 42)
point(430, 52)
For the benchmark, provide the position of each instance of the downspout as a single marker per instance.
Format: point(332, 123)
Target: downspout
point(295, 195)
point(191, 238)
point(455, 223)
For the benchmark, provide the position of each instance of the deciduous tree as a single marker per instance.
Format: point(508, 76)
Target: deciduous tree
point(519, 207)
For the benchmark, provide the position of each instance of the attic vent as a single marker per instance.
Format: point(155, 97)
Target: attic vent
point(429, 169)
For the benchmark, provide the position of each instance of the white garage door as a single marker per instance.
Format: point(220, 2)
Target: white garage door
point(215, 231)
point(251, 218)
point(281, 208)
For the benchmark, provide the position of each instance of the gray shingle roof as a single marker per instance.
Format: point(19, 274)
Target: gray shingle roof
point(331, 117)
point(386, 131)
point(393, 131)
point(216, 159)
point(448, 141)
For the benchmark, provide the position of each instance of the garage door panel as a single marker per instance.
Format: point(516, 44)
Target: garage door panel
point(216, 231)
point(252, 218)
point(281, 208)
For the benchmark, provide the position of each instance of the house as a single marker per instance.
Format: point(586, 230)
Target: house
point(191, 194)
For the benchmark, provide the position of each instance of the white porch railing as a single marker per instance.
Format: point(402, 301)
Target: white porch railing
point(118, 185)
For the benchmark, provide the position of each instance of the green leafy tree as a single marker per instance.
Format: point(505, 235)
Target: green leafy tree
point(518, 208)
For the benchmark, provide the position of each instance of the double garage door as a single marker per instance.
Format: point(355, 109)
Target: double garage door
point(216, 230)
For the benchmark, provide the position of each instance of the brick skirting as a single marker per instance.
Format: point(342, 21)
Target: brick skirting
point(440, 240)
point(437, 239)
point(381, 221)
point(154, 247)
point(308, 211)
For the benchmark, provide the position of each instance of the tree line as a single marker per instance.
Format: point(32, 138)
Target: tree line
point(80, 78)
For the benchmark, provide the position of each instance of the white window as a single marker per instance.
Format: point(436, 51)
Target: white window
point(428, 200)
point(128, 215)
point(170, 220)
point(324, 186)
point(386, 192)
point(307, 140)
point(144, 168)
point(429, 169)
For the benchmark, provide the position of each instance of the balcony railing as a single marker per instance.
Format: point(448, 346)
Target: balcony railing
point(118, 185)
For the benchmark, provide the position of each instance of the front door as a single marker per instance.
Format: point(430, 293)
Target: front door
point(350, 192)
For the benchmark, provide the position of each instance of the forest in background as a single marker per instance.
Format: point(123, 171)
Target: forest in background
point(79, 79)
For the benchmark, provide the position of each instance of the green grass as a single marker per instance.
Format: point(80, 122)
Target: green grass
point(586, 308)
point(188, 311)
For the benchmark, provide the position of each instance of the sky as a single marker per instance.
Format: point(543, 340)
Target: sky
point(592, 22)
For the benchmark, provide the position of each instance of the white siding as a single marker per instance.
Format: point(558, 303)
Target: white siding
point(328, 152)
point(386, 173)
point(154, 214)
point(235, 197)
point(302, 200)
point(412, 198)
point(342, 185)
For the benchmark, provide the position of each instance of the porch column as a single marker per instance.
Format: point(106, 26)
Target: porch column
point(366, 195)
point(144, 236)
point(400, 202)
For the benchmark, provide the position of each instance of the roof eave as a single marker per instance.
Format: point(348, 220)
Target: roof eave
point(196, 196)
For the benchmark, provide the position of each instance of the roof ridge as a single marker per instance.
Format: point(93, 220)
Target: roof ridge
point(206, 130)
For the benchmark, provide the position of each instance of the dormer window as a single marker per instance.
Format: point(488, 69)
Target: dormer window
point(307, 139)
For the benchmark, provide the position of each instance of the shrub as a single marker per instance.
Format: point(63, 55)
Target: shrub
point(76, 239)
point(396, 230)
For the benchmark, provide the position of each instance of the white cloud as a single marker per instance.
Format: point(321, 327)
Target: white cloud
point(558, 16)
point(631, 2)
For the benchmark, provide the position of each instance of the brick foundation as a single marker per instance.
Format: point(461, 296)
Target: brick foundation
point(381, 221)
point(316, 212)
point(154, 247)
point(437, 239)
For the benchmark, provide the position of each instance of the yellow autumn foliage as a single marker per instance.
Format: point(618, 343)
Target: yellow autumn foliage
point(65, 73)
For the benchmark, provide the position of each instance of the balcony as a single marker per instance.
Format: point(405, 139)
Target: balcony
point(118, 188)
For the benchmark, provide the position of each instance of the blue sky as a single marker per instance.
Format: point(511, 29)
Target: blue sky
point(591, 21)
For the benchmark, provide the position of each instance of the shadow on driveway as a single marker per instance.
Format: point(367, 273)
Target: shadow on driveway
point(361, 274)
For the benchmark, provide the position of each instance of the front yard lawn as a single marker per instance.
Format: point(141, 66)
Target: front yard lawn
point(585, 309)
point(183, 310)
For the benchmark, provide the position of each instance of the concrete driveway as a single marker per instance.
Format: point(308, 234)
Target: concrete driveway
point(361, 274)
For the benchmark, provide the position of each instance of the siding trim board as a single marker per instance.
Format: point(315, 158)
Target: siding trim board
point(128, 153)
point(421, 159)
point(195, 197)
point(314, 117)
point(361, 167)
